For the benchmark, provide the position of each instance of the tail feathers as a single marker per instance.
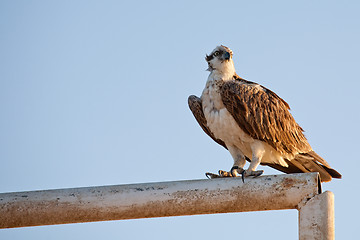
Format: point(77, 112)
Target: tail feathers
point(309, 162)
point(314, 163)
point(332, 172)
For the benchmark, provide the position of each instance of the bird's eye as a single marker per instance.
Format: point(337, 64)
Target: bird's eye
point(216, 53)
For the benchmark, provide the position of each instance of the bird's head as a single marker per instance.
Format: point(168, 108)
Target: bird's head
point(220, 59)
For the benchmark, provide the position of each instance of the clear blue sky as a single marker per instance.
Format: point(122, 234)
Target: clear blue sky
point(95, 93)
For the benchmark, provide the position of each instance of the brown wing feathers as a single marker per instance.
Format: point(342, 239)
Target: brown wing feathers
point(264, 116)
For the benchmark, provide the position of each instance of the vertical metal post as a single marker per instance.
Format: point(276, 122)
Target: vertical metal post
point(316, 218)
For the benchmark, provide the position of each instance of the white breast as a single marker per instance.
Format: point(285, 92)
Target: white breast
point(220, 121)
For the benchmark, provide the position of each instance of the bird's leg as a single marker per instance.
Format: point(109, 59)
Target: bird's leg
point(239, 163)
point(236, 170)
point(255, 161)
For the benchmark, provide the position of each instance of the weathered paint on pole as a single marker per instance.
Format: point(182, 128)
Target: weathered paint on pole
point(162, 199)
point(316, 218)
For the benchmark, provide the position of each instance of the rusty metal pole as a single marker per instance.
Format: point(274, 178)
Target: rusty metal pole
point(21, 209)
point(316, 218)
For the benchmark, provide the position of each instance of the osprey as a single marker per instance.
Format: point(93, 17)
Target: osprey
point(253, 123)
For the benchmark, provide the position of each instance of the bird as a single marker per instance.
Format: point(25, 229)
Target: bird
point(253, 123)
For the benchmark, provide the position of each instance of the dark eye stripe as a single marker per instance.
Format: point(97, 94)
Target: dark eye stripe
point(209, 58)
point(216, 53)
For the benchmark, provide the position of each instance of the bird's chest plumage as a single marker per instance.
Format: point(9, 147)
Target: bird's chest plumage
point(219, 120)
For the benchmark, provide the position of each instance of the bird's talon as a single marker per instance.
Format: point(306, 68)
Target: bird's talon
point(235, 171)
point(212, 175)
point(248, 173)
point(257, 173)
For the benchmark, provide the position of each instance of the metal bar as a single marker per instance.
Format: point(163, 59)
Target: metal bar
point(21, 209)
point(316, 218)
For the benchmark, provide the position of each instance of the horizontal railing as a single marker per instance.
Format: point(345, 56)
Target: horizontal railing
point(162, 199)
